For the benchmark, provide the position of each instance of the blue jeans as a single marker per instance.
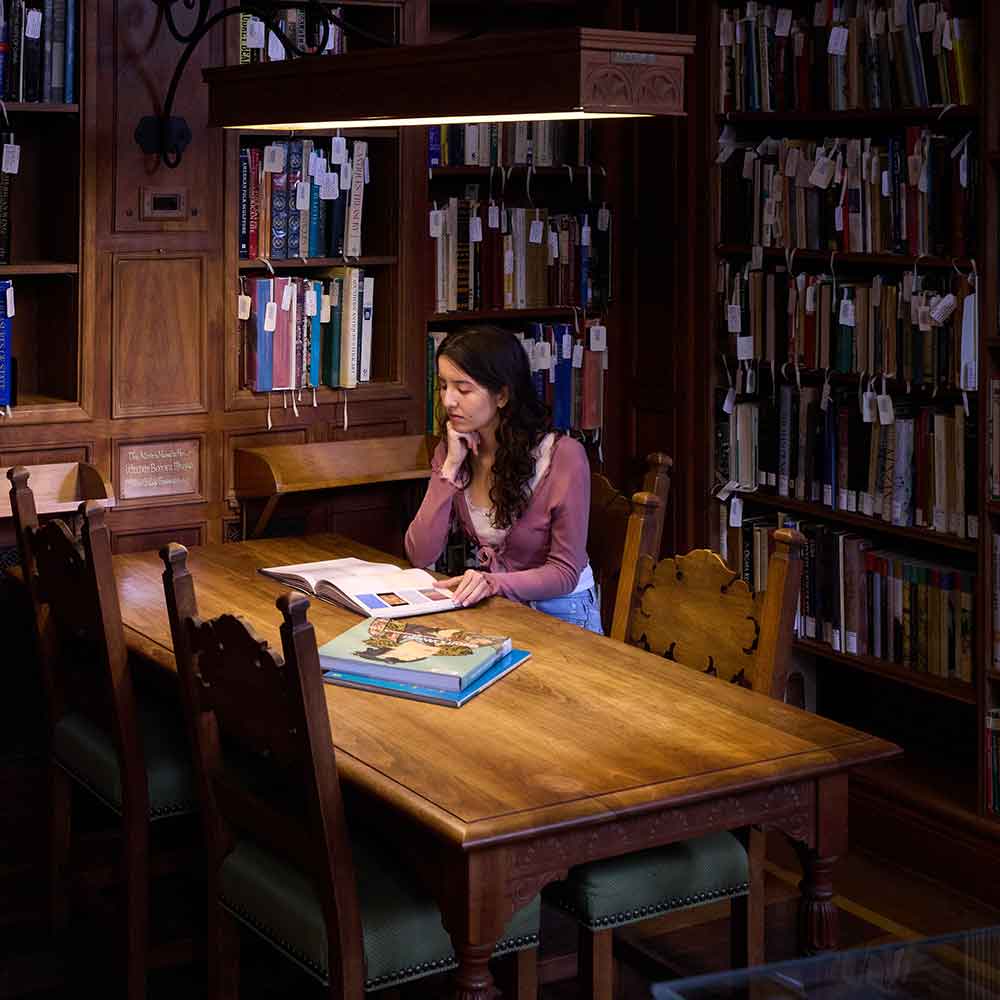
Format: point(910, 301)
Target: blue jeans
point(578, 609)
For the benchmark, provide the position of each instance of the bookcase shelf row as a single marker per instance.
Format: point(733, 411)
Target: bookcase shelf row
point(903, 261)
point(871, 525)
point(515, 170)
point(37, 267)
point(23, 107)
point(919, 392)
point(940, 116)
point(471, 315)
point(955, 690)
point(315, 263)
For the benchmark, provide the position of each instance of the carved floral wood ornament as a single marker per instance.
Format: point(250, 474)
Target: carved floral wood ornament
point(695, 610)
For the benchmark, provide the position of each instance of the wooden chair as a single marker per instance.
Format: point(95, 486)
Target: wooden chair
point(610, 511)
point(696, 611)
point(126, 750)
point(282, 860)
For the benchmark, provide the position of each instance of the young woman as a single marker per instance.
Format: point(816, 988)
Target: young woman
point(520, 491)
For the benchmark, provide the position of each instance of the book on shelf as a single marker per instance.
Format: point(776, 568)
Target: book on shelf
point(992, 744)
point(6, 360)
point(906, 191)
point(446, 658)
point(435, 696)
point(303, 27)
point(6, 213)
point(846, 55)
point(37, 51)
point(534, 143)
point(864, 600)
point(918, 470)
point(322, 331)
point(302, 198)
point(380, 590)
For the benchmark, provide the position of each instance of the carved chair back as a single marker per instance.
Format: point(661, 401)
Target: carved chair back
point(610, 513)
point(264, 753)
point(697, 611)
point(78, 626)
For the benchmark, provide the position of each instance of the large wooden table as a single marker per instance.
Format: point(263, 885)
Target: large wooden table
point(590, 749)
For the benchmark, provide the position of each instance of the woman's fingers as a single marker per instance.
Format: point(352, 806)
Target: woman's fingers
point(469, 588)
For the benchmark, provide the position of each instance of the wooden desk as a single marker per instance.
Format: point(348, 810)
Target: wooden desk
point(590, 749)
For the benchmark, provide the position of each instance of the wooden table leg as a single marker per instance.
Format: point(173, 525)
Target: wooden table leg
point(472, 980)
point(818, 920)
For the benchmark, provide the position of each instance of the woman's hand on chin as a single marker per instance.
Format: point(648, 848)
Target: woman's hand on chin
point(460, 443)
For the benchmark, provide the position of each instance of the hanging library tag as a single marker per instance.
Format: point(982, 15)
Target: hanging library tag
point(733, 323)
point(744, 350)
point(11, 158)
point(783, 24)
point(275, 50)
point(578, 355)
point(567, 346)
point(792, 161)
point(274, 159)
point(33, 23)
point(329, 188)
point(869, 408)
point(729, 403)
point(969, 373)
point(271, 316)
point(553, 245)
point(437, 226)
point(324, 309)
point(736, 512)
point(345, 175)
point(944, 307)
point(598, 337)
point(536, 231)
point(886, 413)
point(757, 257)
point(822, 172)
point(286, 297)
point(748, 157)
point(302, 195)
point(847, 312)
point(603, 219)
point(475, 229)
point(243, 306)
point(338, 149)
point(493, 216)
point(255, 33)
point(837, 43)
point(310, 302)
point(585, 235)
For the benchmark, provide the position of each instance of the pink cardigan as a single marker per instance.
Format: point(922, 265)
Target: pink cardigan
point(545, 550)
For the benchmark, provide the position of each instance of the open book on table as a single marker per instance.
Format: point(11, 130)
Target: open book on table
point(380, 590)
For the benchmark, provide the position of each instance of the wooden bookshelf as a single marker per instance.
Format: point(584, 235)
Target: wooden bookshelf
point(474, 315)
point(316, 263)
point(840, 259)
point(31, 108)
point(938, 116)
point(956, 690)
point(37, 267)
point(871, 525)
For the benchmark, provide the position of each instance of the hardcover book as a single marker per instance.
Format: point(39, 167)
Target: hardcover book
point(446, 659)
point(380, 590)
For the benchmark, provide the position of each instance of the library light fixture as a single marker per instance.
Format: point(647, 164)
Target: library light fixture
point(558, 74)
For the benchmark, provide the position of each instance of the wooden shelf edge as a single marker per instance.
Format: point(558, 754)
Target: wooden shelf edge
point(36, 410)
point(464, 316)
point(38, 267)
point(860, 521)
point(955, 690)
point(39, 107)
point(841, 258)
point(298, 264)
point(458, 170)
point(246, 399)
point(933, 114)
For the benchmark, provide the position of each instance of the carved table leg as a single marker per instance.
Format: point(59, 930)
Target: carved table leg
point(818, 921)
point(472, 979)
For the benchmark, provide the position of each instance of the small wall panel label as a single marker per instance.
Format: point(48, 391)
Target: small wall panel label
point(159, 469)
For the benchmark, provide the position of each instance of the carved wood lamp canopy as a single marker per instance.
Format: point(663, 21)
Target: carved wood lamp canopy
point(566, 73)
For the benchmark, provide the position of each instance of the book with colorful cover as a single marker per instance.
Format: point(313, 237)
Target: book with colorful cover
point(452, 699)
point(444, 658)
point(380, 590)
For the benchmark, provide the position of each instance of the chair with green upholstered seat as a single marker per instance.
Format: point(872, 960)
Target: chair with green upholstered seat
point(125, 748)
point(282, 858)
point(697, 612)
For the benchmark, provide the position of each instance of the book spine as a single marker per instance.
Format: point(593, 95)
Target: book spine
point(352, 237)
point(57, 89)
point(279, 209)
point(367, 310)
point(6, 370)
point(244, 223)
point(293, 225)
point(48, 13)
point(69, 74)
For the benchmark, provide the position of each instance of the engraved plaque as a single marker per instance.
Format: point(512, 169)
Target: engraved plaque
point(159, 469)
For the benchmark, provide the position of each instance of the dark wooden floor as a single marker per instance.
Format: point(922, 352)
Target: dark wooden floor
point(878, 902)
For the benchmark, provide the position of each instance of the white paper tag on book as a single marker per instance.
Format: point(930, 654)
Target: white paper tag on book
point(274, 159)
point(792, 158)
point(475, 229)
point(837, 43)
point(310, 302)
point(852, 643)
point(847, 312)
point(757, 257)
point(567, 346)
point(744, 351)
point(811, 300)
point(436, 223)
point(940, 519)
point(947, 38)
point(729, 403)
point(302, 195)
point(969, 372)
point(869, 409)
point(578, 355)
point(493, 217)
point(286, 297)
point(345, 175)
point(748, 160)
point(338, 149)
point(822, 172)
point(598, 337)
point(243, 306)
point(736, 512)
point(536, 231)
point(329, 188)
point(838, 218)
point(603, 219)
point(270, 316)
point(886, 412)
point(255, 33)
point(553, 245)
point(943, 309)
point(783, 24)
point(324, 309)
point(32, 23)
point(733, 322)
point(275, 50)
point(824, 400)
point(11, 158)
point(866, 504)
point(585, 235)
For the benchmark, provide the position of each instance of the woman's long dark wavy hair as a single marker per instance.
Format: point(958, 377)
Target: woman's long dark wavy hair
point(495, 359)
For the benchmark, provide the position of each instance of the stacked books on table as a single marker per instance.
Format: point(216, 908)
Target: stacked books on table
point(380, 590)
point(442, 665)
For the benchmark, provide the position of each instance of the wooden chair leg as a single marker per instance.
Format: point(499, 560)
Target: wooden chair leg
point(60, 823)
point(748, 912)
point(516, 975)
point(135, 865)
point(596, 963)
point(223, 952)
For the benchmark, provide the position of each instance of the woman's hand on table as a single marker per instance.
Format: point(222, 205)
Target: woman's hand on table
point(469, 588)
